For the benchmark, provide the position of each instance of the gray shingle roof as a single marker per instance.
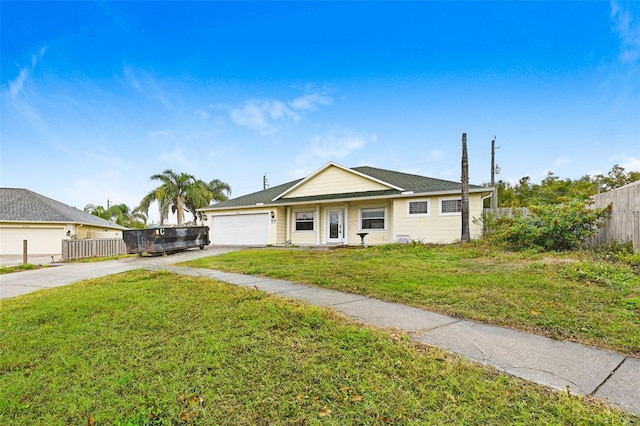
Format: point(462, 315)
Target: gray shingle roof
point(22, 205)
point(409, 182)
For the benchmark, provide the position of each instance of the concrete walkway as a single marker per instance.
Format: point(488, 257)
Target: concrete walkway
point(558, 364)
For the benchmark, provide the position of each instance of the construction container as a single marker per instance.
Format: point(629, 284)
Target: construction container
point(165, 240)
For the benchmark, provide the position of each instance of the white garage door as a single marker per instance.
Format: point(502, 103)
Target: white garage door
point(39, 240)
point(240, 229)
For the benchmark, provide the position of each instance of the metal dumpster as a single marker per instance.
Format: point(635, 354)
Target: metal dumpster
point(165, 240)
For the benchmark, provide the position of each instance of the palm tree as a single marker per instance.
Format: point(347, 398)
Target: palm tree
point(202, 194)
point(171, 194)
point(126, 217)
point(120, 214)
point(96, 210)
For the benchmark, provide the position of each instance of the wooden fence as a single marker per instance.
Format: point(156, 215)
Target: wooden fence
point(624, 223)
point(81, 249)
point(489, 215)
point(507, 211)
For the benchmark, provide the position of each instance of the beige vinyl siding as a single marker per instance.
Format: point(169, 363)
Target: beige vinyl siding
point(375, 236)
point(435, 227)
point(306, 238)
point(335, 180)
point(303, 238)
point(97, 232)
point(278, 233)
point(46, 238)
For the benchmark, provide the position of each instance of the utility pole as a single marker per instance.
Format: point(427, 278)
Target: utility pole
point(265, 182)
point(494, 170)
point(466, 236)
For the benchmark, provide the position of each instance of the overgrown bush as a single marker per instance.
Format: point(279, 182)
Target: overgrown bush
point(559, 227)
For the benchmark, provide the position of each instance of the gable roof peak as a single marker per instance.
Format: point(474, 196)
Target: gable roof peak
point(347, 169)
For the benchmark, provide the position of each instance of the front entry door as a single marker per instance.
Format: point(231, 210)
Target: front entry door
point(336, 226)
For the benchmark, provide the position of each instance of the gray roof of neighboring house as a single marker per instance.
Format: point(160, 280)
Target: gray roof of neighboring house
point(408, 182)
point(22, 205)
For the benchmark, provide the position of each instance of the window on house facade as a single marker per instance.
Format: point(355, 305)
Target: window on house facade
point(372, 218)
point(451, 206)
point(304, 221)
point(420, 207)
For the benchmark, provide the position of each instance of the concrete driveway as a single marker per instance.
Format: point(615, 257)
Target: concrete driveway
point(59, 274)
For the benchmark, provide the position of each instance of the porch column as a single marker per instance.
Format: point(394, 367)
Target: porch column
point(288, 225)
point(318, 227)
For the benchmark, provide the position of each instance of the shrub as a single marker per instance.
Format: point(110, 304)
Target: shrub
point(559, 227)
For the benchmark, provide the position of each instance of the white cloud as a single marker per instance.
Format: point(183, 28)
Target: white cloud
point(161, 134)
point(132, 79)
point(147, 86)
point(333, 147)
point(630, 164)
point(626, 21)
point(202, 114)
point(310, 102)
point(261, 115)
point(264, 115)
point(177, 156)
point(323, 149)
point(16, 86)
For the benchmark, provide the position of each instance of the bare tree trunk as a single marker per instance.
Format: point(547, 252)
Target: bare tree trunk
point(180, 210)
point(466, 237)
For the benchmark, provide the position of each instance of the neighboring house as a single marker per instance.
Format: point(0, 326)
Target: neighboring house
point(44, 223)
point(335, 203)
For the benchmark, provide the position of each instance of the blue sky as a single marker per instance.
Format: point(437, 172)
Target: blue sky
point(99, 96)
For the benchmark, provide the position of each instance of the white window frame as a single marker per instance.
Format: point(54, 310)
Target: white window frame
point(419, 200)
point(440, 201)
point(313, 221)
point(385, 218)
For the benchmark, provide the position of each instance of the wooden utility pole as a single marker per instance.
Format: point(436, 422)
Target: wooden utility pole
point(494, 196)
point(466, 236)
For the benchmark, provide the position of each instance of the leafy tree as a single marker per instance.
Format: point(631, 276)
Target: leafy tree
point(183, 192)
point(170, 194)
point(202, 194)
point(127, 217)
point(120, 214)
point(553, 190)
point(615, 178)
point(549, 227)
point(96, 210)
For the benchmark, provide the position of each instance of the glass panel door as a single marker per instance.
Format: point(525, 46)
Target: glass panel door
point(335, 226)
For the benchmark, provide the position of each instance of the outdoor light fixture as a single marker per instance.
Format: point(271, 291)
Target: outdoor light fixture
point(273, 215)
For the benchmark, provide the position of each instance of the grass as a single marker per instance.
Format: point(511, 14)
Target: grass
point(29, 266)
point(155, 348)
point(572, 297)
point(101, 259)
point(18, 268)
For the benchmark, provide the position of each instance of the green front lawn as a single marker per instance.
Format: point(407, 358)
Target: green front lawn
point(573, 297)
point(155, 348)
